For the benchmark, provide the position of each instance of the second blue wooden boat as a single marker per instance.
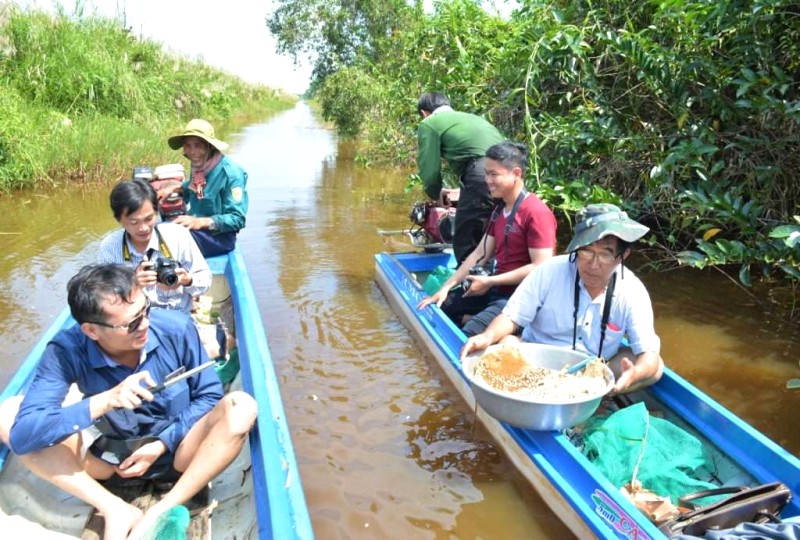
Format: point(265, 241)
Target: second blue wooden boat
point(567, 481)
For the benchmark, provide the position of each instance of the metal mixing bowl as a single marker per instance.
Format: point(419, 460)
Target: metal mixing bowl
point(530, 414)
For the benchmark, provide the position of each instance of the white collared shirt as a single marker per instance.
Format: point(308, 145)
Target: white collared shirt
point(183, 249)
point(543, 306)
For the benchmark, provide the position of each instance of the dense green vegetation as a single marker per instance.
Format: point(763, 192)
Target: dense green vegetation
point(83, 99)
point(684, 111)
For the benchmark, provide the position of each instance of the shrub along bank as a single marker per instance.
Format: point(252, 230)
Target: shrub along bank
point(84, 99)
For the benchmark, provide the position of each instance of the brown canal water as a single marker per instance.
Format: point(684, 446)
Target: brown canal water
point(386, 448)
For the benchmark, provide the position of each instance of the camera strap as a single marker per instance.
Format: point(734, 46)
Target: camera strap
point(509, 223)
point(162, 245)
point(606, 310)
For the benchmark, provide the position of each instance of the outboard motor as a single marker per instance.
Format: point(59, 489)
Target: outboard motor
point(166, 176)
point(437, 223)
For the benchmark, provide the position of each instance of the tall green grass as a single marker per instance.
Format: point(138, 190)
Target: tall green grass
point(83, 99)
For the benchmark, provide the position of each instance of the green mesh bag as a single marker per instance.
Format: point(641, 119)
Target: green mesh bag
point(436, 279)
point(228, 368)
point(171, 525)
point(663, 457)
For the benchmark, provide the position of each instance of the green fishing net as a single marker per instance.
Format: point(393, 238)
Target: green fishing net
point(228, 368)
point(665, 458)
point(436, 279)
point(171, 525)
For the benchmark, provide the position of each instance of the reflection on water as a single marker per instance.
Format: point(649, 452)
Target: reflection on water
point(715, 336)
point(386, 447)
point(46, 236)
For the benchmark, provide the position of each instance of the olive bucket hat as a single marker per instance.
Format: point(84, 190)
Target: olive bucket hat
point(597, 221)
point(197, 128)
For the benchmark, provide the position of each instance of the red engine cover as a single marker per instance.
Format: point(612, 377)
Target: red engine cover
point(440, 223)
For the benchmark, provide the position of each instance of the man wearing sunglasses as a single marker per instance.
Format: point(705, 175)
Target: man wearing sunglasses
point(119, 348)
point(588, 301)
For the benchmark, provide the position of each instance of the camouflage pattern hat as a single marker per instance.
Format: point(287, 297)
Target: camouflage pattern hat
point(597, 221)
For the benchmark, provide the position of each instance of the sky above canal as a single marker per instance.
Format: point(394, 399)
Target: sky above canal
point(229, 35)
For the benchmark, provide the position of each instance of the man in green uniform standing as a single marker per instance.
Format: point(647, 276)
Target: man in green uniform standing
point(462, 139)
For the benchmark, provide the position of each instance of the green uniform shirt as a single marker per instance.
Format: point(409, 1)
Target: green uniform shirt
point(224, 196)
point(455, 136)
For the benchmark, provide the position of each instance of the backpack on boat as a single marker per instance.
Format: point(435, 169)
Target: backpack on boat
point(171, 175)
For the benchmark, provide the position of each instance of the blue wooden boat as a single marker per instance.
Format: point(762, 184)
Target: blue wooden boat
point(259, 495)
point(567, 481)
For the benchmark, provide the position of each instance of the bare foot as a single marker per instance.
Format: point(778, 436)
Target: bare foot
point(120, 520)
point(146, 522)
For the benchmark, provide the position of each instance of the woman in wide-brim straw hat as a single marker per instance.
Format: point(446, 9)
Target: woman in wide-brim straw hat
point(214, 192)
point(586, 300)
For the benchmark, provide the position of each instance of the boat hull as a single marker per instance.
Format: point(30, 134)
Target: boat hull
point(574, 488)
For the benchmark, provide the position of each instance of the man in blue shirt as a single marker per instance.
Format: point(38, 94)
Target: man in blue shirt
point(116, 352)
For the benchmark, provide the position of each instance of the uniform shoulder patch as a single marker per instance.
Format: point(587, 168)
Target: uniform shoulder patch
point(237, 194)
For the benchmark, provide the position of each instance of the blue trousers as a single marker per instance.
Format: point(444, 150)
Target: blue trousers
point(211, 244)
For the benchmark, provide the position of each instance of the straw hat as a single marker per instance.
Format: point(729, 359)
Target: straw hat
point(597, 221)
point(197, 128)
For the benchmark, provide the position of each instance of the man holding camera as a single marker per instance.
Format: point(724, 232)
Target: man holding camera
point(521, 234)
point(169, 266)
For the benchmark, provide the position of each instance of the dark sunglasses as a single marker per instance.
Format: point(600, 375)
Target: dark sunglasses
point(135, 323)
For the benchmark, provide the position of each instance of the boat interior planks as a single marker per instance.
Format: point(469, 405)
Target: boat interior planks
point(587, 502)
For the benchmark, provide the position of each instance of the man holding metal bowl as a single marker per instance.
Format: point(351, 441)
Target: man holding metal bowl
point(587, 301)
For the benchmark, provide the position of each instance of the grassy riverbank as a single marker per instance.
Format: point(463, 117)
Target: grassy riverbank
point(84, 100)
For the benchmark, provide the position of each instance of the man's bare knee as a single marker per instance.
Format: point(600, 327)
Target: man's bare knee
point(239, 411)
point(232, 418)
point(8, 412)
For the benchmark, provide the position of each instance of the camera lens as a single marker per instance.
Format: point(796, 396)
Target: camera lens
point(169, 277)
point(165, 272)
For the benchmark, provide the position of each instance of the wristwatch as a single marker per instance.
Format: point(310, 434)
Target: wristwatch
point(213, 225)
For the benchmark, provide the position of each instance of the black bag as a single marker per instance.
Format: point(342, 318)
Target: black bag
point(120, 429)
point(747, 505)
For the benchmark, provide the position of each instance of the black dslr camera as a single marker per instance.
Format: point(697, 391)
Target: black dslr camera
point(165, 269)
point(475, 271)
